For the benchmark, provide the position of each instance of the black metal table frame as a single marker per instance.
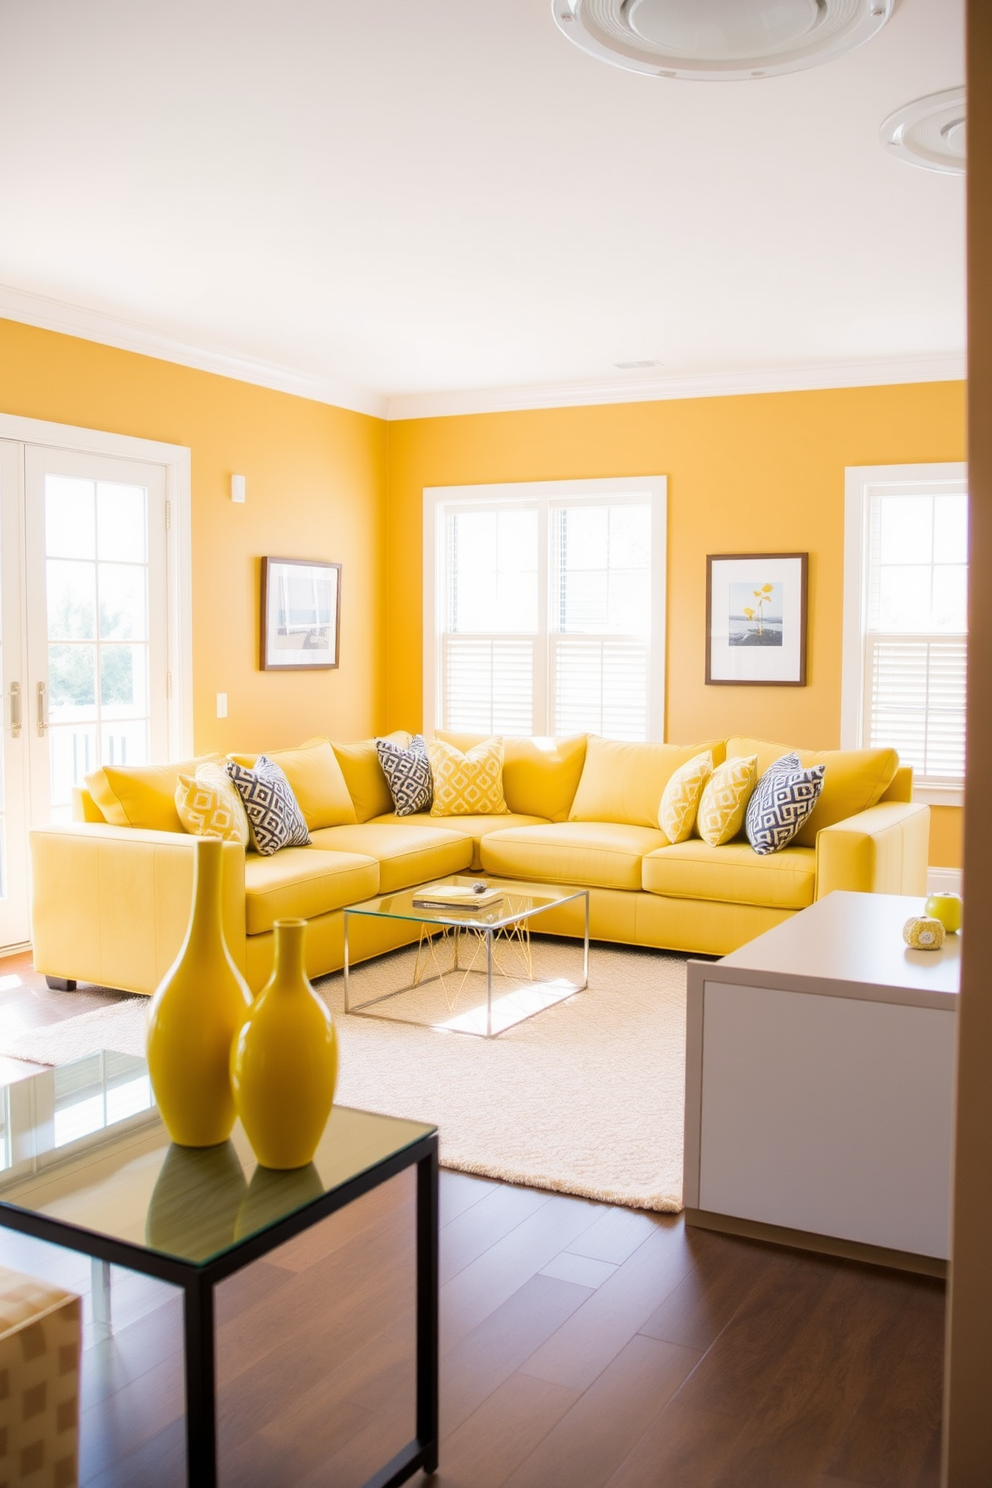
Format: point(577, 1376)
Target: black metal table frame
point(198, 1283)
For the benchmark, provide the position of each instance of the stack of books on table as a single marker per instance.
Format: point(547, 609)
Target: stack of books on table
point(456, 896)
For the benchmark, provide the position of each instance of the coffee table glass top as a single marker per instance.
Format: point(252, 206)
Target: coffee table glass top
point(519, 902)
point(84, 1145)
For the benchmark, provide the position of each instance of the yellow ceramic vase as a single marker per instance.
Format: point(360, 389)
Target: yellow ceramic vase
point(194, 1015)
point(284, 1062)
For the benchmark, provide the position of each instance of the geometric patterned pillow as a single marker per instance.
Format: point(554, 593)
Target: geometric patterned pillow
point(469, 784)
point(681, 796)
point(273, 813)
point(408, 774)
point(725, 797)
point(784, 797)
point(209, 805)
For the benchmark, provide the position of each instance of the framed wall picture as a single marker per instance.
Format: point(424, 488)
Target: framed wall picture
point(301, 614)
point(756, 619)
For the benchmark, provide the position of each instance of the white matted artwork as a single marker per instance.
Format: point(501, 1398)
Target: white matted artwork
point(756, 619)
point(301, 614)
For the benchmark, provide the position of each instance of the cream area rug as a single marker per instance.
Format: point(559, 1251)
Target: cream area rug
point(585, 1098)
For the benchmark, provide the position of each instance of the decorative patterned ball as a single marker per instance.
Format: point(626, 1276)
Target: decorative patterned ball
point(923, 933)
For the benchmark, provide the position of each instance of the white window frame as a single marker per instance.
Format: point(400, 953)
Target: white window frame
point(859, 481)
point(655, 487)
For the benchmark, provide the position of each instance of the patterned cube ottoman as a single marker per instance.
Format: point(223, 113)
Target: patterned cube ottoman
point(40, 1337)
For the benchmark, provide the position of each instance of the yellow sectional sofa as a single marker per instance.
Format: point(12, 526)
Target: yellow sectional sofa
point(112, 889)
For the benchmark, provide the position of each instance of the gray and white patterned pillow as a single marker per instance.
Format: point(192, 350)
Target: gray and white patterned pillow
point(408, 774)
point(273, 812)
point(782, 800)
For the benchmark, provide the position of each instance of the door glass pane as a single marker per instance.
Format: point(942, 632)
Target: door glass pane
point(124, 743)
point(123, 685)
point(123, 602)
point(70, 529)
point(71, 600)
point(73, 755)
point(121, 522)
point(71, 683)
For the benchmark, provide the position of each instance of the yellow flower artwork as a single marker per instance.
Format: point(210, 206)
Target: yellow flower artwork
point(755, 614)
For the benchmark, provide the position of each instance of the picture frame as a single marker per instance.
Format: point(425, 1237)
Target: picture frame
point(300, 615)
point(756, 619)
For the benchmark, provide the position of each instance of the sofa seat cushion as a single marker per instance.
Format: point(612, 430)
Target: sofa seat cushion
point(406, 855)
point(602, 855)
point(304, 881)
point(732, 874)
point(472, 827)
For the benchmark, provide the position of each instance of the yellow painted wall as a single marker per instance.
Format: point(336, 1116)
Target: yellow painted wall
point(316, 488)
point(745, 474)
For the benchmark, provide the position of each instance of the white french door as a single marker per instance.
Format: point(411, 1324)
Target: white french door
point(85, 641)
point(13, 667)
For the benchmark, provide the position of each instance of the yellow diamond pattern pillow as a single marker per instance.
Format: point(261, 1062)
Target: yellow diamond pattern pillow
point(469, 784)
point(209, 805)
point(725, 798)
point(681, 798)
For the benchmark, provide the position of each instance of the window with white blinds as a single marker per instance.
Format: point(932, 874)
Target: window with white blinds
point(544, 608)
point(911, 525)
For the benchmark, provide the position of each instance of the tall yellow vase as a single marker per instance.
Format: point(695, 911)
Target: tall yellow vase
point(284, 1062)
point(194, 1015)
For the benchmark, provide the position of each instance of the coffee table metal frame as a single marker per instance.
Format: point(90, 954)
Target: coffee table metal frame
point(459, 920)
point(197, 1282)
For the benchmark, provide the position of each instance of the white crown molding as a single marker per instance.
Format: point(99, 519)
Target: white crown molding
point(944, 368)
point(125, 335)
point(111, 330)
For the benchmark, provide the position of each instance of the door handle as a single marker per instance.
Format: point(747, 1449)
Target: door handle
point(42, 710)
point(15, 710)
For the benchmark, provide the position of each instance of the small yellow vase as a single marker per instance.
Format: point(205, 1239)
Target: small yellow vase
point(284, 1062)
point(194, 1015)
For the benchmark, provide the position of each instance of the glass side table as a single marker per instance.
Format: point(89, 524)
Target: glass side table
point(86, 1163)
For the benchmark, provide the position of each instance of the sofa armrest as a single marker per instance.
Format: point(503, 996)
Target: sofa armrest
point(879, 851)
point(111, 904)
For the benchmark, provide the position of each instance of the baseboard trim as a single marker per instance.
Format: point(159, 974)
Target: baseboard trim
point(848, 1250)
point(944, 880)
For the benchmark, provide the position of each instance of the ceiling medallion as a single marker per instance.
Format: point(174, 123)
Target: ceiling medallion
point(929, 132)
point(719, 40)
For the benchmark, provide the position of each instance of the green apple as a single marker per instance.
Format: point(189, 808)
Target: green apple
point(947, 909)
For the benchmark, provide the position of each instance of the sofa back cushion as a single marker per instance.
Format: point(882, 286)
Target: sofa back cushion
point(142, 795)
point(540, 775)
point(854, 779)
point(363, 775)
point(316, 781)
point(624, 782)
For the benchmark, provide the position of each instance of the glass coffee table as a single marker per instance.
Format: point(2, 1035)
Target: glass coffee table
point(474, 970)
point(86, 1163)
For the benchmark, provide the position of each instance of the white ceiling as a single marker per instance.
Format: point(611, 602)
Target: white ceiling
point(390, 199)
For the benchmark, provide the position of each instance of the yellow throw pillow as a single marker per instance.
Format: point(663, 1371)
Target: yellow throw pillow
point(540, 775)
point(681, 798)
point(209, 805)
point(142, 795)
point(854, 780)
point(469, 784)
point(725, 797)
point(316, 780)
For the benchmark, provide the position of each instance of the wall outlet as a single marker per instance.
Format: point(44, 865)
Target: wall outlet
point(222, 705)
point(237, 488)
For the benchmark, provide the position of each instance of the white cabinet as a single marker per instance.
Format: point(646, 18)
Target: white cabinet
point(820, 1083)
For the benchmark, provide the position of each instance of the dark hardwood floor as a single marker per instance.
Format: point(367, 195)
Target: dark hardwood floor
point(584, 1346)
